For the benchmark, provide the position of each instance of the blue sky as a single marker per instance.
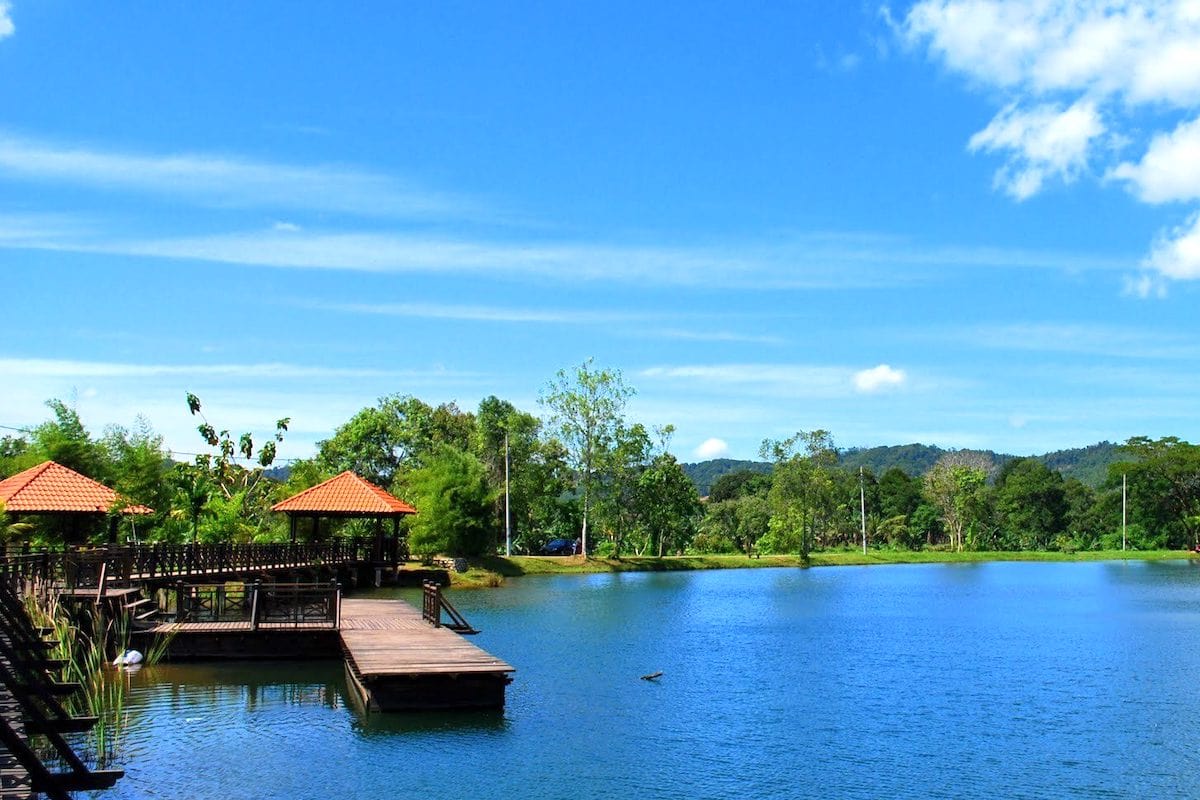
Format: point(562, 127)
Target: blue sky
point(957, 222)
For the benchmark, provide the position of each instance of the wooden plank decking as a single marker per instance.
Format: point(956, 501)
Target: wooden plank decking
point(388, 637)
point(394, 659)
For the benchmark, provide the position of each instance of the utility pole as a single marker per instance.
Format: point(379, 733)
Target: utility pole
point(1124, 495)
point(507, 513)
point(862, 499)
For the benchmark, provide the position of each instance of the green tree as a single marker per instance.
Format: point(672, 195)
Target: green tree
point(398, 433)
point(668, 503)
point(802, 489)
point(1164, 488)
point(239, 488)
point(588, 407)
point(1031, 504)
point(65, 440)
point(141, 470)
point(192, 491)
point(740, 483)
point(454, 501)
point(899, 493)
point(501, 430)
point(957, 487)
point(1084, 517)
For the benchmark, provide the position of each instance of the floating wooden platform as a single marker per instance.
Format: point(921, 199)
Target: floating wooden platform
point(395, 661)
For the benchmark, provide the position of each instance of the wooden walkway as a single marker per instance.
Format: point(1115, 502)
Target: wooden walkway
point(395, 660)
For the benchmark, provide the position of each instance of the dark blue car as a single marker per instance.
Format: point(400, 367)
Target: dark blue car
point(559, 547)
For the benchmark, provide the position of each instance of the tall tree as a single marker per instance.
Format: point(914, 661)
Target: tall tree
point(1164, 487)
point(455, 501)
point(588, 407)
point(377, 441)
point(65, 440)
point(802, 488)
point(1031, 504)
point(669, 505)
point(956, 486)
point(506, 441)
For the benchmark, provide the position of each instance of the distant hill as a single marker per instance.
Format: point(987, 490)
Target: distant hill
point(1087, 464)
point(705, 472)
point(915, 459)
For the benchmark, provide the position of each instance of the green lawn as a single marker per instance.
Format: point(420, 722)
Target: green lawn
point(491, 571)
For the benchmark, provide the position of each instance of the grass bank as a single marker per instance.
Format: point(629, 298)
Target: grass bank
point(491, 571)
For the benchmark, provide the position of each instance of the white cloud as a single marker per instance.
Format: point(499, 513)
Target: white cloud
point(1074, 74)
point(1170, 168)
point(711, 448)
point(1177, 254)
point(223, 180)
point(1144, 52)
point(1044, 142)
point(878, 379)
point(6, 24)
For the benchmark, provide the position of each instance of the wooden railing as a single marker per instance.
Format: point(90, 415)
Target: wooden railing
point(81, 568)
point(433, 603)
point(295, 604)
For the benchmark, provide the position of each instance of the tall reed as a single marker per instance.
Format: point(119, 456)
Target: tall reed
point(87, 641)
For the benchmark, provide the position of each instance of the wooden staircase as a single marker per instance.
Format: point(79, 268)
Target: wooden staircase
point(33, 718)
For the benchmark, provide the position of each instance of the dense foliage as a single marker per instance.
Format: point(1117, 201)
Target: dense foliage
point(586, 467)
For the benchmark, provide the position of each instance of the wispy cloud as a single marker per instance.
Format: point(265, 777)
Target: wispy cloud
point(218, 180)
point(480, 313)
point(6, 24)
point(713, 336)
point(794, 380)
point(808, 261)
point(1100, 340)
point(55, 368)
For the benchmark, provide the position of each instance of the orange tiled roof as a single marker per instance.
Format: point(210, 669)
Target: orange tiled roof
point(52, 488)
point(345, 494)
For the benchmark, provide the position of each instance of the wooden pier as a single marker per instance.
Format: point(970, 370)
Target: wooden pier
point(395, 659)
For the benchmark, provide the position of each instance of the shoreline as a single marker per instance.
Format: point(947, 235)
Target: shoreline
point(491, 571)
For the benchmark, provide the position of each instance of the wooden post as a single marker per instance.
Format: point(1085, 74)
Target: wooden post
point(254, 605)
point(337, 605)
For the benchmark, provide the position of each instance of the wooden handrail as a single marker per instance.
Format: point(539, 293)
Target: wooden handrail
point(90, 568)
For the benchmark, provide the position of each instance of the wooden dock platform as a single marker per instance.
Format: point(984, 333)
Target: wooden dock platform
point(395, 661)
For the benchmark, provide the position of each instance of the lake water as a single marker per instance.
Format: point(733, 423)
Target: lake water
point(1015, 680)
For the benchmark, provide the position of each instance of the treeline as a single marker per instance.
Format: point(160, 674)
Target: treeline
point(964, 501)
point(583, 471)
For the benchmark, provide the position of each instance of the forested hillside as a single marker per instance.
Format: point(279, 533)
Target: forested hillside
point(1088, 465)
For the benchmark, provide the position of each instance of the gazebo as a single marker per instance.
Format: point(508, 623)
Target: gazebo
point(346, 496)
point(52, 489)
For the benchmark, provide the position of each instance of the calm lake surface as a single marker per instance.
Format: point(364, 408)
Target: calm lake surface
point(1019, 680)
